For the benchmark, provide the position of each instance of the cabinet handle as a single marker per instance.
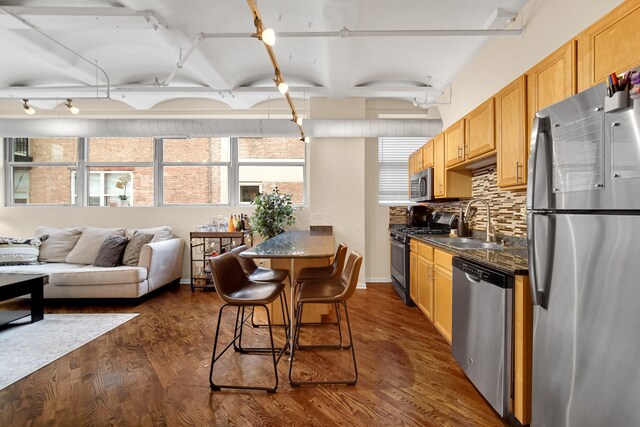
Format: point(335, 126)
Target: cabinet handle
point(518, 165)
point(459, 152)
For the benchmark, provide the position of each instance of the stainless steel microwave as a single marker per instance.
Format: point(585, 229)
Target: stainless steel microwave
point(422, 186)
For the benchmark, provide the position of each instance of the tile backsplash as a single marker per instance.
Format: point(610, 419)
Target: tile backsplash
point(507, 207)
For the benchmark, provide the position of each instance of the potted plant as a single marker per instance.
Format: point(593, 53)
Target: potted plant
point(122, 182)
point(273, 212)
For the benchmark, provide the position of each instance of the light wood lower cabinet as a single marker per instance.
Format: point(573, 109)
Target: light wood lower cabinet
point(443, 294)
point(413, 276)
point(425, 286)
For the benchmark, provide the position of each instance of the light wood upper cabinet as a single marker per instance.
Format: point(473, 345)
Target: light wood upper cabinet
point(511, 134)
point(479, 128)
point(454, 143)
point(427, 155)
point(438, 159)
point(418, 160)
point(610, 45)
point(551, 80)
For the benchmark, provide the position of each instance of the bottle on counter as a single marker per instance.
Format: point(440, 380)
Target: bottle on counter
point(238, 223)
point(231, 226)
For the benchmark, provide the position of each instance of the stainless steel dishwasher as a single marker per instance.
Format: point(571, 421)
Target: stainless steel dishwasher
point(482, 328)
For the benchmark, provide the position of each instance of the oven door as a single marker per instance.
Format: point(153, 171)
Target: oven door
point(398, 262)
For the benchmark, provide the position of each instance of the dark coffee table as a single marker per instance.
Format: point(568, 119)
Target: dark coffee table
point(15, 285)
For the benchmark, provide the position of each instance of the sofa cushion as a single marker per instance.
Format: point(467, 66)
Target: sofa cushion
point(89, 244)
point(91, 275)
point(18, 251)
point(132, 251)
point(60, 242)
point(111, 250)
point(48, 268)
point(159, 233)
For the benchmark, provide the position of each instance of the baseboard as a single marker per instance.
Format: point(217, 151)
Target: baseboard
point(378, 279)
point(361, 285)
point(185, 281)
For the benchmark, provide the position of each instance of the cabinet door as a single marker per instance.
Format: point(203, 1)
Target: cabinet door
point(610, 45)
point(551, 80)
point(418, 160)
point(438, 160)
point(427, 155)
point(442, 302)
point(413, 275)
point(425, 286)
point(479, 128)
point(511, 134)
point(454, 143)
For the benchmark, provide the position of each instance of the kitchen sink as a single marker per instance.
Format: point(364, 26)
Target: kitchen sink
point(464, 243)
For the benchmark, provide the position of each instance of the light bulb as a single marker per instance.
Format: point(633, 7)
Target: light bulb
point(415, 102)
point(283, 87)
point(268, 36)
point(299, 121)
point(306, 139)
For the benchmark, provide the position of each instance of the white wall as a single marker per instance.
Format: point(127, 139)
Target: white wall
point(549, 24)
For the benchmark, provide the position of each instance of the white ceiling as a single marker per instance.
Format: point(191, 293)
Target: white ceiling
point(139, 42)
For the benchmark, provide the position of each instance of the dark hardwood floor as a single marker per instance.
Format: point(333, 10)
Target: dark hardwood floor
point(153, 370)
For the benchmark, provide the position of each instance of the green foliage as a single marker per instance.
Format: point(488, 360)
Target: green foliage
point(273, 212)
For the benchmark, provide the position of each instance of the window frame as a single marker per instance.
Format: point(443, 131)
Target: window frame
point(82, 168)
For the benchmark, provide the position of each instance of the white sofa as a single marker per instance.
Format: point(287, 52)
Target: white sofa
point(160, 263)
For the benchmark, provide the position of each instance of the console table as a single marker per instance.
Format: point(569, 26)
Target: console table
point(16, 285)
point(202, 245)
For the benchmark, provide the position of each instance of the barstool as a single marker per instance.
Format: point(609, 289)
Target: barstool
point(237, 290)
point(328, 272)
point(336, 290)
point(261, 274)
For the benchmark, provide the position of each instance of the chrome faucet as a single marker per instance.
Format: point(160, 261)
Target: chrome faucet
point(491, 237)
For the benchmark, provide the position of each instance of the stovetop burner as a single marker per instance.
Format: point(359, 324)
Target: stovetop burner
point(421, 230)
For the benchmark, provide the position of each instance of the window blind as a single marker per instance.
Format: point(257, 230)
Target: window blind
point(393, 164)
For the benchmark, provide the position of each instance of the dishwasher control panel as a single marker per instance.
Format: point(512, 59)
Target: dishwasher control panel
point(486, 274)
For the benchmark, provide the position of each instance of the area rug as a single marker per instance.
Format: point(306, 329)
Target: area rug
point(28, 347)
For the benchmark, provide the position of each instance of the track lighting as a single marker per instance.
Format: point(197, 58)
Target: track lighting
point(306, 139)
point(72, 109)
point(268, 36)
point(28, 108)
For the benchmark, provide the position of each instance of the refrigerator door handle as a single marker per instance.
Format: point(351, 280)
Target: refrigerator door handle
point(537, 295)
point(540, 126)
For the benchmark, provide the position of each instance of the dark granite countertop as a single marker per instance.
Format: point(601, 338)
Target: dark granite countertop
point(511, 261)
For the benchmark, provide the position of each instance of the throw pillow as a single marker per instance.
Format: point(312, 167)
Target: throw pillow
point(16, 251)
point(134, 247)
point(159, 233)
point(110, 252)
point(60, 242)
point(86, 250)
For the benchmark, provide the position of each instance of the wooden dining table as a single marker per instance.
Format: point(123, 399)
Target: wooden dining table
point(294, 246)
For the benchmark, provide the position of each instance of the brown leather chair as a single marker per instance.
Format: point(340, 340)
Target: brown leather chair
point(237, 290)
point(336, 290)
point(315, 273)
point(261, 274)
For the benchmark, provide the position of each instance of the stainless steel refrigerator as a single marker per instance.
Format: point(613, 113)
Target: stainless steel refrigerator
point(583, 218)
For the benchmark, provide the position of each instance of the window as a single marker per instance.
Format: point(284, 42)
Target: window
point(195, 171)
point(151, 172)
point(271, 163)
point(393, 174)
point(39, 170)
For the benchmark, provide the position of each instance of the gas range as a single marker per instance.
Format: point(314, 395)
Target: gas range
point(402, 234)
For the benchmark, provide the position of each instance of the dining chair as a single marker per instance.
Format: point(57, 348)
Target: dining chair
point(237, 290)
point(338, 290)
